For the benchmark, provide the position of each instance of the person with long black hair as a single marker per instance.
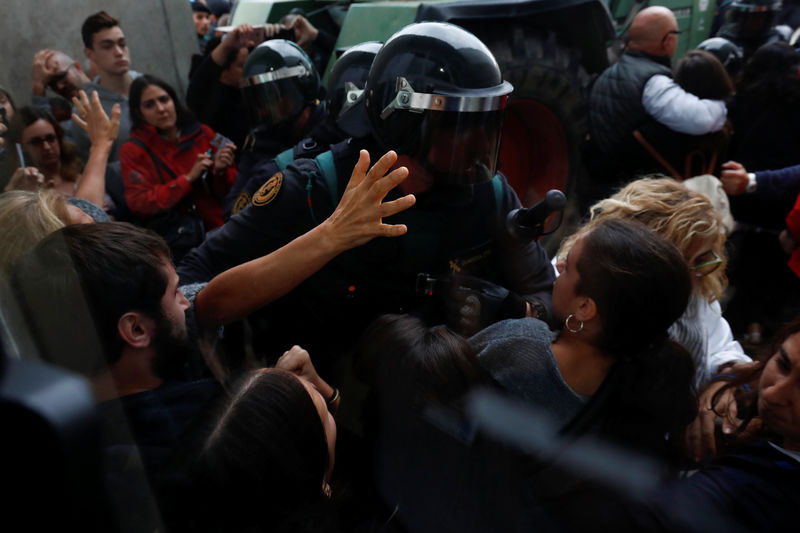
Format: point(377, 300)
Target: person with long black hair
point(612, 368)
point(173, 164)
point(754, 486)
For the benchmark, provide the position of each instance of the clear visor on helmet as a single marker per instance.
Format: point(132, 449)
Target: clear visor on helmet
point(460, 148)
point(458, 139)
point(272, 99)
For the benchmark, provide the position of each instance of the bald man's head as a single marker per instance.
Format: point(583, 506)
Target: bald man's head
point(70, 78)
point(654, 30)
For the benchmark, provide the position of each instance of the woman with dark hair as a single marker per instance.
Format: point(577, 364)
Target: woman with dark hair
point(174, 168)
point(430, 466)
point(612, 368)
point(401, 352)
point(52, 162)
point(702, 74)
point(755, 486)
point(42, 139)
point(266, 459)
point(690, 222)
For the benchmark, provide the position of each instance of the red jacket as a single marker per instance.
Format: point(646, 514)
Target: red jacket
point(144, 192)
point(793, 224)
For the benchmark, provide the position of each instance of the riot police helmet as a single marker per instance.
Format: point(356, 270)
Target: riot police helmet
point(756, 6)
point(754, 18)
point(349, 76)
point(729, 53)
point(436, 96)
point(278, 82)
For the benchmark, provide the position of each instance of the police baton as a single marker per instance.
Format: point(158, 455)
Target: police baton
point(527, 223)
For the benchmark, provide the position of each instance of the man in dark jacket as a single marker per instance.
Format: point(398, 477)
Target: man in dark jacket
point(639, 90)
point(104, 302)
point(457, 226)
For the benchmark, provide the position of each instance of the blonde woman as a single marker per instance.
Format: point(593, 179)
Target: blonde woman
point(688, 220)
point(26, 217)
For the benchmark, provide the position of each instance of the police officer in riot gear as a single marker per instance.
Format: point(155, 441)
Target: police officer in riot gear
point(280, 87)
point(443, 117)
point(349, 74)
point(434, 94)
point(281, 90)
point(729, 54)
point(750, 24)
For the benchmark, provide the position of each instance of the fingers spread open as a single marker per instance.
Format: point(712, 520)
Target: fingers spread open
point(359, 171)
point(96, 105)
point(392, 230)
point(85, 105)
point(79, 121)
point(388, 209)
point(81, 103)
point(381, 187)
point(383, 165)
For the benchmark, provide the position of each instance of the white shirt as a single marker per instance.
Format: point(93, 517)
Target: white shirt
point(681, 111)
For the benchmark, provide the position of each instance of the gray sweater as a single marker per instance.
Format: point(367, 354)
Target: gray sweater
point(108, 98)
point(517, 354)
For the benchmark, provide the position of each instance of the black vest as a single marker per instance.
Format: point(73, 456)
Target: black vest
point(615, 104)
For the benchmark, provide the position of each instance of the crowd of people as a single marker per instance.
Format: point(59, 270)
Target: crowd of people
point(290, 298)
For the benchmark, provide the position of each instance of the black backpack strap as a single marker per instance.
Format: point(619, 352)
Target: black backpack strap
point(188, 204)
point(156, 160)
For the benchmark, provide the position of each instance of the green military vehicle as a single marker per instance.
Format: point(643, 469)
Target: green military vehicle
point(548, 49)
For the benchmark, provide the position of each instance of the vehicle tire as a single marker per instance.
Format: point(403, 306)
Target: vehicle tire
point(546, 123)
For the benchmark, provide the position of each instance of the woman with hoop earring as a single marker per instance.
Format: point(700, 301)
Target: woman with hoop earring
point(611, 369)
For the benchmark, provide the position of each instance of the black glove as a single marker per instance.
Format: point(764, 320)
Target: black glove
point(472, 304)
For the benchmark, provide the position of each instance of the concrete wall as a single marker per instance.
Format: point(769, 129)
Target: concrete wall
point(160, 36)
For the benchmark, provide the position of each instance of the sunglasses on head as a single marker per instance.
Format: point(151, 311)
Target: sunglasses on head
point(709, 262)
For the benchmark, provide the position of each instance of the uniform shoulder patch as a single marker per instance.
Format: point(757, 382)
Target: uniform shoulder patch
point(242, 201)
point(267, 192)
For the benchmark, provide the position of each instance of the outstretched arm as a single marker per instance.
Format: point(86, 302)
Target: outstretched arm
point(357, 219)
point(102, 133)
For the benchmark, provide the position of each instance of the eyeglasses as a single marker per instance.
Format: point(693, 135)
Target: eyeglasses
point(60, 76)
point(704, 268)
point(38, 142)
point(670, 32)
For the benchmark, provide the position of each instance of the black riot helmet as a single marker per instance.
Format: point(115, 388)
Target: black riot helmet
point(754, 18)
point(729, 54)
point(278, 82)
point(349, 75)
point(436, 96)
point(756, 6)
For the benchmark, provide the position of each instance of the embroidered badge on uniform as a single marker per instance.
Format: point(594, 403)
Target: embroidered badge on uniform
point(241, 202)
point(268, 191)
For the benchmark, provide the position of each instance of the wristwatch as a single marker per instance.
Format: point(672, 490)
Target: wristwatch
point(751, 182)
